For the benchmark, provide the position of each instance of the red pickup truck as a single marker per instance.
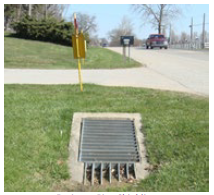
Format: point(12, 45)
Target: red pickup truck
point(156, 40)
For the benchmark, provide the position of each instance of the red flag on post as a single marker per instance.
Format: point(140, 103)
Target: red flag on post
point(75, 24)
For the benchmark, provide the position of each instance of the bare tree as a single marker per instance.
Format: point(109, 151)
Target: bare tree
point(184, 38)
point(174, 37)
point(9, 14)
point(63, 9)
point(103, 41)
point(86, 22)
point(52, 10)
point(157, 14)
point(94, 41)
point(45, 11)
point(29, 10)
point(19, 12)
point(125, 28)
point(138, 42)
point(164, 30)
point(15, 12)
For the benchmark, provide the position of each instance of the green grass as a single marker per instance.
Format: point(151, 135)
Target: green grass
point(176, 127)
point(20, 53)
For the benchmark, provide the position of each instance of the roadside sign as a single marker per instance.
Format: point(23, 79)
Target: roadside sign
point(80, 49)
point(74, 45)
point(85, 46)
point(126, 41)
point(78, 44)
point(123, 40)
point(82, 45)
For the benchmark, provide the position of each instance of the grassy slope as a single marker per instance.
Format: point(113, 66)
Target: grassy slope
point(20, 53)
point(176, 128)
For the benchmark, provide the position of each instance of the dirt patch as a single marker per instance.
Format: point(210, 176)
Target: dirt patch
point(71, 186)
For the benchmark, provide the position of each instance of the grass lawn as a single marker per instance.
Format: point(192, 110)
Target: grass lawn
point(21, 53)
point(176, 127)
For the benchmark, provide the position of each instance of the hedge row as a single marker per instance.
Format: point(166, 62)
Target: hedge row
point(45, 30)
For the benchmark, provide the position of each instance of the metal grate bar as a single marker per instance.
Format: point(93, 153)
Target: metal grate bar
point(118, 154)
point(112, 150)
point(109, 143)
point(127, 170)
point(108, 140)
point(118, 171)
point(106, 145)
point(85, 173)
point(101, 134)
point(134, 170)
point(109, 172)
point(112, 127)
point(92, 174)
point(101, 173)
point(123, 171)
point(107, 120)
point(110, 159)
point(131, 144)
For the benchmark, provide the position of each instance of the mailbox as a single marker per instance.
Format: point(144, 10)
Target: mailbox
point(127, 40)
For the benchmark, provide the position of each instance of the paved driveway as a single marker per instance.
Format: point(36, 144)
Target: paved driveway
point(177, 70)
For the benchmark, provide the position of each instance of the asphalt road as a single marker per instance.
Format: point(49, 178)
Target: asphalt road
point(177, 70)
point(189, 69)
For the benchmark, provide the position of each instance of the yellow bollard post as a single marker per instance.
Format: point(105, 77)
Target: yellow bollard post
point(79, 66)
point(78, 53)
point(80, 75)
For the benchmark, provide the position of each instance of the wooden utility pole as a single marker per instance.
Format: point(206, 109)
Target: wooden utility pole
point(203, 33)
point(124, 53)
point(170, 34)
point(129, 52)
point(191, 32)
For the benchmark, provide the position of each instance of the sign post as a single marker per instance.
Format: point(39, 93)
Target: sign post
point(126, 41)
point(78, 44)
point(124, 53)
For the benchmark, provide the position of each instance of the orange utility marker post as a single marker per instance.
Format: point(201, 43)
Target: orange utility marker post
point(78, 43)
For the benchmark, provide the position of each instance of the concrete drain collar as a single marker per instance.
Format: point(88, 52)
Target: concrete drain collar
point(82, 170)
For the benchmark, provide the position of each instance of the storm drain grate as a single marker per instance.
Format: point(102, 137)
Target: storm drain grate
point(108, 146)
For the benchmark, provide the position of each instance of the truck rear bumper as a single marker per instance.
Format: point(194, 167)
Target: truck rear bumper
point(158, 45)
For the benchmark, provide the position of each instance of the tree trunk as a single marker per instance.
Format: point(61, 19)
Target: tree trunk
point(46, 10)
point(6, 23)
point(30, 10)
point(159, 28)
point(19, 12)
point(61, 11)
point(160, 18)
